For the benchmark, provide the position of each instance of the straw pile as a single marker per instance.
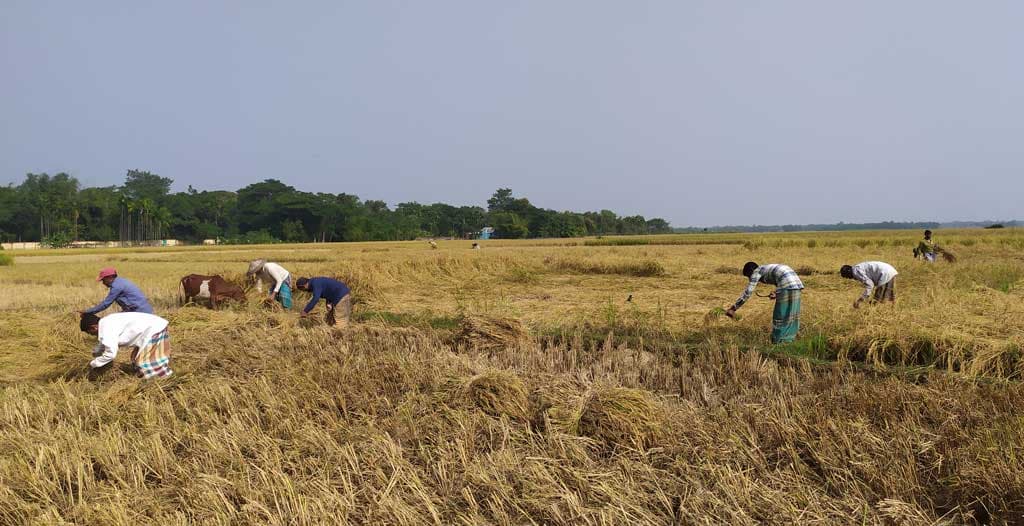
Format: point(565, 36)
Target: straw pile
point(618, 417)
point(487, 334)
point(498, 393)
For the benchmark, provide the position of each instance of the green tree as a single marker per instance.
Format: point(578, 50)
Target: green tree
point(293, 231)
point(501, 201)
point(508, 225)
point(140, 184)
point(50, 201)
point(658, 225)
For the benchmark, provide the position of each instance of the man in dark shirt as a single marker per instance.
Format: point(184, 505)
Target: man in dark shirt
point(123, 292)
point(334, 292)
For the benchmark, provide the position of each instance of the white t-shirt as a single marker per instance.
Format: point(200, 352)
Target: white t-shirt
point(124, 329)
point(873, 274)
point(272, 272)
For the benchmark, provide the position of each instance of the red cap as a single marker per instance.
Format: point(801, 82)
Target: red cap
point(109, 271)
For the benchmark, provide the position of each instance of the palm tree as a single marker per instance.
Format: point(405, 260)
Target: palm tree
point(131, 206)
point(161, 220)
point(146, 209)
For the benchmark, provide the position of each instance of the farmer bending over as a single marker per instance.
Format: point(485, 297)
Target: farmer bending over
point(277, 279)
point(786, 316)
point(334, 292)
point(875, 275)
point(123, 292)
point(145, 333)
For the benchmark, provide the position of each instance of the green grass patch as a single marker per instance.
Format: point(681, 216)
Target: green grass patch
point(814, 348)
point(5, 260)
point(1003, 278)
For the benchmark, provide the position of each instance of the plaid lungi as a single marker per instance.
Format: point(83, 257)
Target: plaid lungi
point(284, 296)
point(786, 316)
point(154, 360)
point(885, 292)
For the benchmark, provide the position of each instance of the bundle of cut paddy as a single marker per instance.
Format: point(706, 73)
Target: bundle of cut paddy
point(716, 314)
point(498, 393)
point(484, 334)
point(618, 417)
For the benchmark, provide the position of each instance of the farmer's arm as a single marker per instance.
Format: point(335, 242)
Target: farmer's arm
point(317, 292)
point(108, 343)
point(754, 279)
point(868, 287)
point(115, 291)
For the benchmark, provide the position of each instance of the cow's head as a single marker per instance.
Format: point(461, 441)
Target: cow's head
point(236, 293)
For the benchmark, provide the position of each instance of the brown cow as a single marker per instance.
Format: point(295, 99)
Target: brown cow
point(214, 288)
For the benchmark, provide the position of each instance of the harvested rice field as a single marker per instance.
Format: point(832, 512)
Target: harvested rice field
point(585, 381)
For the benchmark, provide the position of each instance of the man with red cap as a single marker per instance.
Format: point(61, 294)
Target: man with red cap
point(123, 292)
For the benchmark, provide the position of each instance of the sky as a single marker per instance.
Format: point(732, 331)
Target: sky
point(700, 112)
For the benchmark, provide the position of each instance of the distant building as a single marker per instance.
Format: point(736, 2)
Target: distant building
point(486, 232)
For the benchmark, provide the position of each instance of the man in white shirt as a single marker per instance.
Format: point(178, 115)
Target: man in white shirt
point(277, 278)
point(874, 275)
point(145, 333)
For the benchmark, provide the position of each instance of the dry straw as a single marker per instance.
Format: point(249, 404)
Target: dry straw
point(498, 393)
point(616, 417)
point(267, 422)
point(481, 333)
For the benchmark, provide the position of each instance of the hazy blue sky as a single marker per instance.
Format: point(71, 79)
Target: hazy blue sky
point(710, 112)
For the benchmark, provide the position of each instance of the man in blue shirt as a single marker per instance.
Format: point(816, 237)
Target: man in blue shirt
point(123, 292)
point(334, 292)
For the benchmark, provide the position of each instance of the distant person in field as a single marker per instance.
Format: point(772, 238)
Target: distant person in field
point(335, 293)
point(123, 292)
point(786, 316)
point(927, 249)
point(876, 276)
point(278, 280)
point(145, 333)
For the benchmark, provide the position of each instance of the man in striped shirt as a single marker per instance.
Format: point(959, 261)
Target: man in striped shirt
point(876, 276)
point(786, 316)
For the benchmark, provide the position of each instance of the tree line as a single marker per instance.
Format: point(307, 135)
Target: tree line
point(56, 210)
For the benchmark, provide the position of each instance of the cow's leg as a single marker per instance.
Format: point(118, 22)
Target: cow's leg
point(213, 301)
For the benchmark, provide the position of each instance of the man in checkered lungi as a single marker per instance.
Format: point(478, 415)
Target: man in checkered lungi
point(145, 333)
point(788, 287)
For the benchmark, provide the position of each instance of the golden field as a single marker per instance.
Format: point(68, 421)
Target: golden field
point(517, 385)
